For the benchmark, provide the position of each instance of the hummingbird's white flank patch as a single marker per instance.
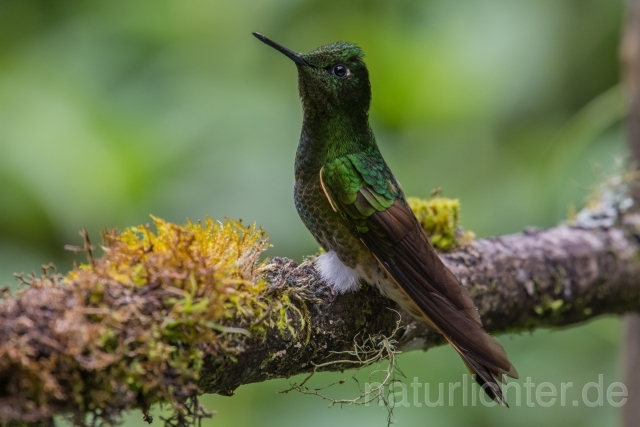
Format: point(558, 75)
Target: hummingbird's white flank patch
point(337, 275)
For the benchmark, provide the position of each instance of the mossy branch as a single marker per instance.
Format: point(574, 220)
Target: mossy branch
point(166, 315)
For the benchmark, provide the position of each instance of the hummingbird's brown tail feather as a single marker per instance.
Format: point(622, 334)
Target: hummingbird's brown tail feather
point(484, 376)
point(486, 379)
point(483, 365)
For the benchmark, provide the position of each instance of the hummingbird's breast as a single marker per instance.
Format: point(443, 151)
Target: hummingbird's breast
point(326, 225)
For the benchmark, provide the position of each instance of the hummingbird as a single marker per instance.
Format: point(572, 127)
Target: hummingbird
point(355, 208)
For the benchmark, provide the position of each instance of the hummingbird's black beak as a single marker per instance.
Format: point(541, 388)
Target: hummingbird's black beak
point(295, 57)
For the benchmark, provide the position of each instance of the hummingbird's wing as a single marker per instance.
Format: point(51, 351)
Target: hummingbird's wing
point(364, 192)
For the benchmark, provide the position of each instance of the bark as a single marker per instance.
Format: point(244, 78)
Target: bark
point(556, 277)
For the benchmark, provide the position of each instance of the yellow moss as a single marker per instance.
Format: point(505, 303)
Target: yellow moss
point(141, 314)
point(438, 217)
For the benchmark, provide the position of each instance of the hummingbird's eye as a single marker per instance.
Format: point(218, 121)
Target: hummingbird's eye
point(340, 71)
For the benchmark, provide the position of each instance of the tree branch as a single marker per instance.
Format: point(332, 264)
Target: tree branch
point(67, 348)
point(556, 277)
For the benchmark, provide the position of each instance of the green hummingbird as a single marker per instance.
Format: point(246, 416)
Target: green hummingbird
point(355, 208)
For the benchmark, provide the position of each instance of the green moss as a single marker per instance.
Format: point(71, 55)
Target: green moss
point(560, 277)
point(438, 217)
point(548, 305)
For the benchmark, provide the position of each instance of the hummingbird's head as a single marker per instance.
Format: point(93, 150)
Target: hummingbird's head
point(332, 79)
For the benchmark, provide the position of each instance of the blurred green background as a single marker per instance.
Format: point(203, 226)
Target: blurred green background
point(112, 110)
